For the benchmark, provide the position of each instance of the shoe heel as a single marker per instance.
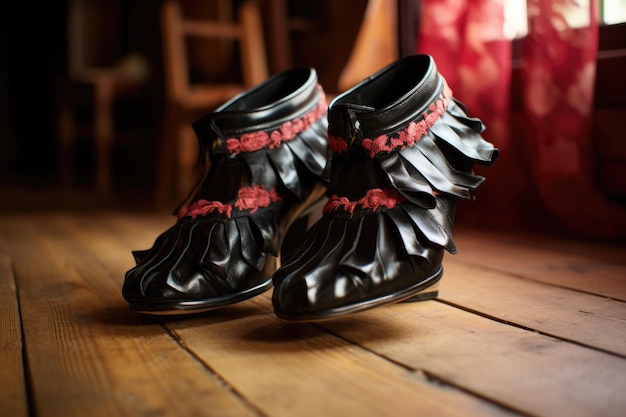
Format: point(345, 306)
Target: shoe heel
point(308, 211)
point(315, 210)
point(272, 263)
point(429, 293)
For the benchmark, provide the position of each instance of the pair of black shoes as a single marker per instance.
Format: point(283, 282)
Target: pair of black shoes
point(392, 156)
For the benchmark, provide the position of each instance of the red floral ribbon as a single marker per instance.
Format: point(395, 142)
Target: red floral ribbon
point(373, 200)
point(250, 142)
point(406, 137)
point(248, 198)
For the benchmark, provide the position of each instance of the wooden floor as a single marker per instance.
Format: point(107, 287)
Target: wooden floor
point(524, 326)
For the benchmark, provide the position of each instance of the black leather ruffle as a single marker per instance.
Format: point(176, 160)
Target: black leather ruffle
point(440, 162)
point(194, 261)
point(346, 264)
point(294, 163)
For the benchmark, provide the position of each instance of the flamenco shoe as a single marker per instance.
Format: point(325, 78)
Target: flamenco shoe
point(403, 152)
point(265, 152)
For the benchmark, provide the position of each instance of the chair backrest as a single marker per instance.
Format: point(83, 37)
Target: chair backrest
point(245, 28)
point(376, 44)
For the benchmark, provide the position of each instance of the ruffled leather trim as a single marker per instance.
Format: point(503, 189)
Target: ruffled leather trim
point(440, 161)
point(195, 259)
point(345, 261)
point(431, 155)
point(293, 163)
point(428, 164)
point(414, 224)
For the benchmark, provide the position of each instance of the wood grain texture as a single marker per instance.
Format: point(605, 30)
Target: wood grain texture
point(592, 267)
point(88, 356)
point(529, 372)
point(356, 381)
point(296, 369)
point(13, 392)
point(502, 340)
point(610, 251)
point(588, 319)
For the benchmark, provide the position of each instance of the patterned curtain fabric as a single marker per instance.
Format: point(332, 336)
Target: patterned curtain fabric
point(466, 38)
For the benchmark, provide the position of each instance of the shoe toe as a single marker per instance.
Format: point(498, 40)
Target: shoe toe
point(292, 296)
point(313, 297)
point(158, 288)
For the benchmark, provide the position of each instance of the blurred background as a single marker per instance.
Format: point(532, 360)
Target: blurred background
point(96, 96)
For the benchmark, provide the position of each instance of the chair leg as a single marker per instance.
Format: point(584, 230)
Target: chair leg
point(253, 56)
point(65, 135)
point(103, 134)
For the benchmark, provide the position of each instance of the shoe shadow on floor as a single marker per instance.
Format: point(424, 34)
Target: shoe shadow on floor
point(120, 315)
point(274, 334)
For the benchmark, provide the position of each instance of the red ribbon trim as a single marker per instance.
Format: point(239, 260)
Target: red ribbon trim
point(250, 142)
point(373, 200)
point(406, 137)
point(248, 198)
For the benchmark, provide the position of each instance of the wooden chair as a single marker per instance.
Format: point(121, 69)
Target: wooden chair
point(376, 44)
point(186, 99)
point(91, 84)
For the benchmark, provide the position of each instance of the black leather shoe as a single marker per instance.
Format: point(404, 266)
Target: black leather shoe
point(266, 151)
point(403, 155)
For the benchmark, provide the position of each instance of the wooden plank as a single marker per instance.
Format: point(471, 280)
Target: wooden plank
point(530, 304)
point(285, 370)
point(13, 392)
point(529, 372)
point(299, 370)
point(110, 238)
point(139, 231)
point(528, 258)
point(604, 250)
point(587, 319)
point(406, 359)
point(88, 356)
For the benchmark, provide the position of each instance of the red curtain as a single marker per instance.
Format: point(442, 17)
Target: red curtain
point(546, 168)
